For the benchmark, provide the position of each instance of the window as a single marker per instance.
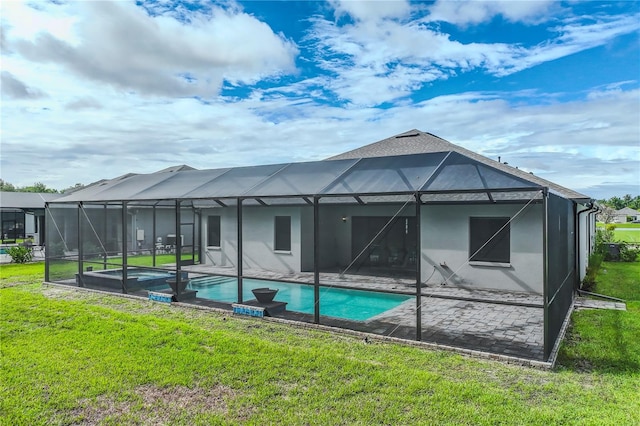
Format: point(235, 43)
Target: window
point(213, 231)
point(483, 245)
point(283, 233)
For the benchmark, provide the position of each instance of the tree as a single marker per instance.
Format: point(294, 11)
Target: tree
point(38, 187)
point(616, 203)
point(73, 188)
point(606, 214)
point(6, 186)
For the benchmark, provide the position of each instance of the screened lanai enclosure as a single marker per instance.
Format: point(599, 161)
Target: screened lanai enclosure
point(435, 247)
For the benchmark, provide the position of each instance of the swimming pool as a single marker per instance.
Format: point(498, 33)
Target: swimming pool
point(137, 278)
point(356, 305)
point(141, 274)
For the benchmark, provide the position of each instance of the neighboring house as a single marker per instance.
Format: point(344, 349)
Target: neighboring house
point(22, 215)
point(413, 205)
point(620, 216)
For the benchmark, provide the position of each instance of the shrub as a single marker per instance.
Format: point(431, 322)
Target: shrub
point(595, 261)
point(55, 249)
point(628, 253)
point(20, 254)
point(603, 237)
point(91, 251)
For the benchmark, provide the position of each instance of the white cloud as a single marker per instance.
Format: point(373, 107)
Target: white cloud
point(399, 57)
point(84, 129)
point(16, 89)
point(578, 144)
point(465, 12)
point(572, 38)
point(372, 10)
point(118, 43)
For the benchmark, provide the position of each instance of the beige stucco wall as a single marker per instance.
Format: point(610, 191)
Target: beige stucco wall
point(445, 248)
point(445, 242)
point(258, 239)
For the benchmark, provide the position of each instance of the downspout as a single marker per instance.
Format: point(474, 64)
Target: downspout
point(596, 210)
point(589, 209)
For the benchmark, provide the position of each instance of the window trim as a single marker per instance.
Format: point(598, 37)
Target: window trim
point(219, 226)
point(484, 258)
point(277, 243)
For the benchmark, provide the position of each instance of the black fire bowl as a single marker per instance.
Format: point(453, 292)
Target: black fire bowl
point(264, 294)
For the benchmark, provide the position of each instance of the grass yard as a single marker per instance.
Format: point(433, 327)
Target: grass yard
point(75, 357)
point(625, 232)
point(630, 236)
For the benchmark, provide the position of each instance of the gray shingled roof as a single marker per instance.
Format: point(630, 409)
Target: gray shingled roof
point(416, 142)
point(25, 200)
point(411, 161)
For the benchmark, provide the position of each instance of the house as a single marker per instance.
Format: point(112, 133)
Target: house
point(620, 216)
point(432, 231)
point(22, 215)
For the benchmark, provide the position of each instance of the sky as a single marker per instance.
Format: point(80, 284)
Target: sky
point(95, 89)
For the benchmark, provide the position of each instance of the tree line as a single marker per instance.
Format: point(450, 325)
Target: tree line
point(36, 187)
point(617, 203)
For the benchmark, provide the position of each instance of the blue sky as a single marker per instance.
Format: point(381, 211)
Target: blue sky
point(93, 90)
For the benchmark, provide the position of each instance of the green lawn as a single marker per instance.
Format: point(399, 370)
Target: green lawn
point(625, 232)
point(75, 357)
point(627, 236)
point(620, 225)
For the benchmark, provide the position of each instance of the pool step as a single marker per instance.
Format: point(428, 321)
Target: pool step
point(207, 281)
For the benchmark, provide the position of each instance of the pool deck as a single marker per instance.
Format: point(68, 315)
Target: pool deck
point(508, 323)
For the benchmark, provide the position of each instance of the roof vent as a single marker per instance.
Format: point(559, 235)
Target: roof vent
point(408, 135)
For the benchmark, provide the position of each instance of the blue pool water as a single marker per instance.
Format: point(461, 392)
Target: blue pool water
point(357, 305)
point(141, 274)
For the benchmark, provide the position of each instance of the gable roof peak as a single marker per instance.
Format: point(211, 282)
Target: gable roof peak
point(417, 142)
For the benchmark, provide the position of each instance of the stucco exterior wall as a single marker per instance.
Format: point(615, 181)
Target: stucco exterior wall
point(445, 248)
point(227, 254)
point(259, 237)
point(445, 242)
point(142, 219)
point(585, 224)
point(335, 233)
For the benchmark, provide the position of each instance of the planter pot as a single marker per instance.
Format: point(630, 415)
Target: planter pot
point(264, 295)
point(183, 284)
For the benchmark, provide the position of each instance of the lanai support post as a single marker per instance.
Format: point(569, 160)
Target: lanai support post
point(548, 346)
point(316, 260)
point(239, 261)
point(418, 269)
point(47, 255)
point(80, 248)
point(104, 236)
point(154, 236)
point(178, 250)
point(124, 246)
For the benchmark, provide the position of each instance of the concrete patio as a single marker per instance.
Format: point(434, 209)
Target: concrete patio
point(508, 323)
